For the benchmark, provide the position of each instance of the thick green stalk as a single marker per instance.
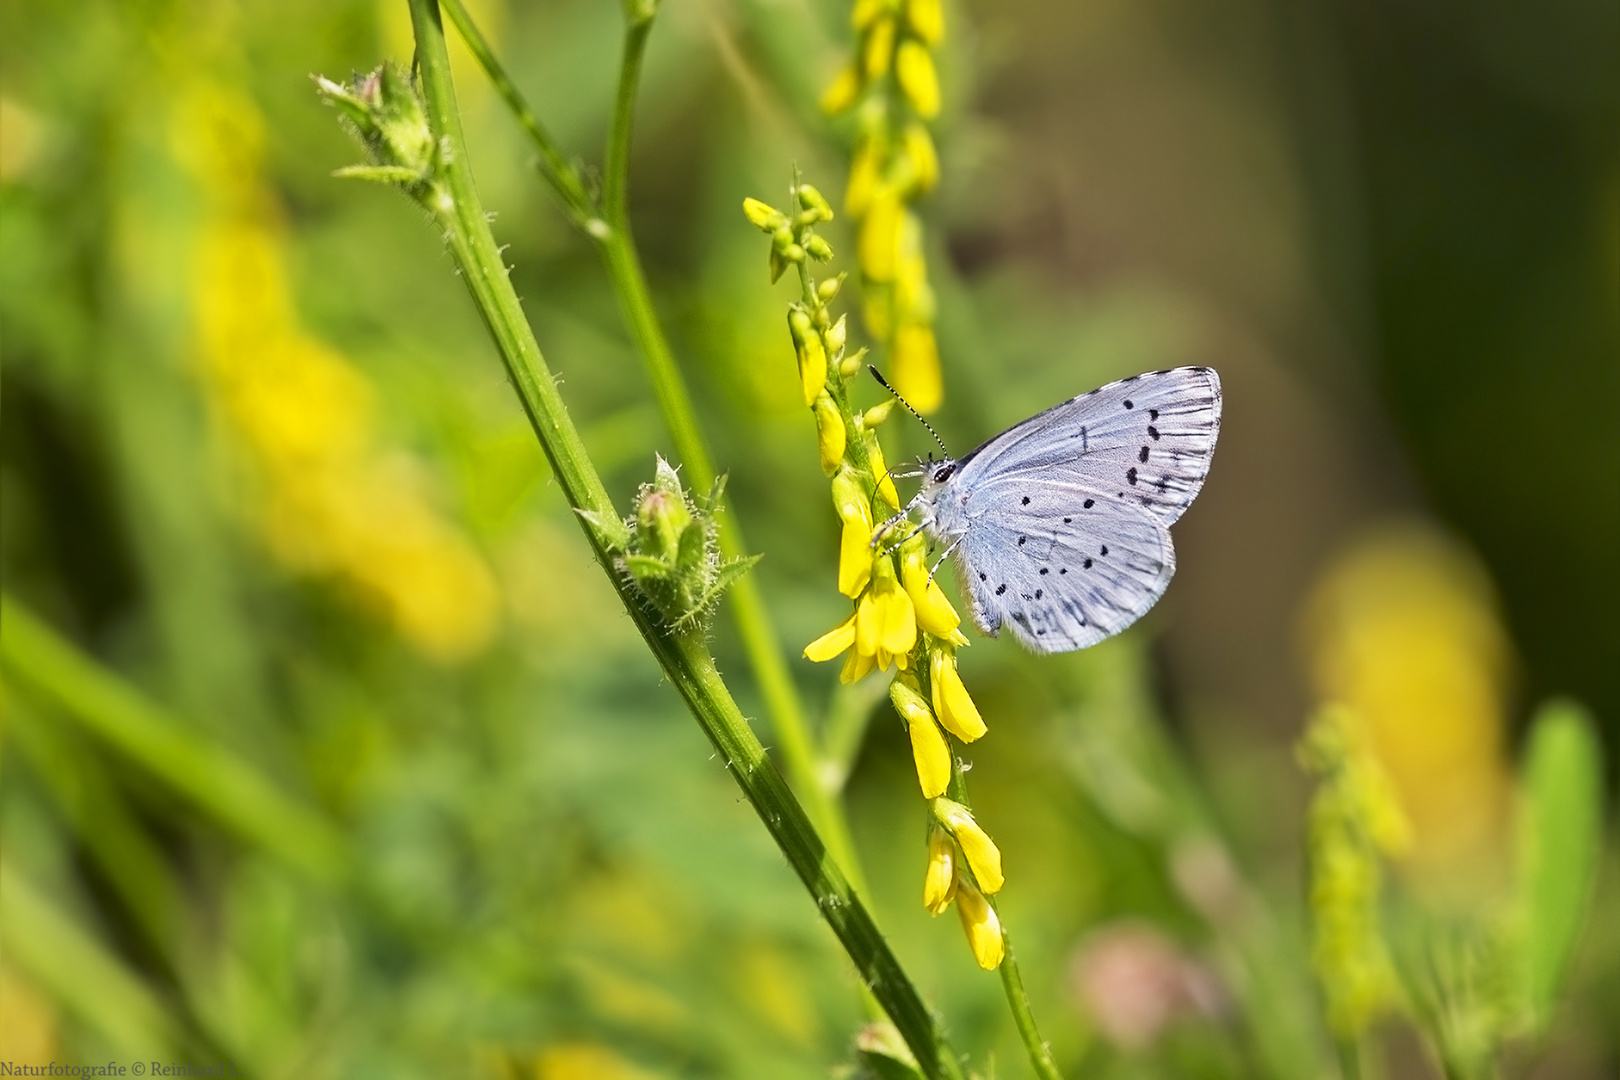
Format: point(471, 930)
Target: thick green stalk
point(610, 228)
point(684, 658)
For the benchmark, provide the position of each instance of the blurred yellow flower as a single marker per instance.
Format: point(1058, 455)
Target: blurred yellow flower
point(926, 19)
point(333, 500)
point(1404, 632)
point(914, 67)
point(915, 367)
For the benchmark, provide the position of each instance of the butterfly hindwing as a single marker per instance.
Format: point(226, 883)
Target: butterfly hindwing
point(1146, 440)
point(1061, 576)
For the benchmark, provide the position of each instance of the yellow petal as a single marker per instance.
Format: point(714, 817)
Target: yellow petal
point(897, 620)
point(833, 642)
point(982, 927)
point(932, 756)
point(934, 612)
point(939, 881)
point(918, 147)
point(855, 554)
point(878, 242)
point(879, 49)
point(812, 367)
point(880, 474)
point(857, 665)
point(926, 19)
point(983, 857)
point(952, 704)
point(842, 91)
point(915, 70)
point(830, 436)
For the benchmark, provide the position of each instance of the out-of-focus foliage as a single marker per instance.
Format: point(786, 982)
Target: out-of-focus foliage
point(327, 751)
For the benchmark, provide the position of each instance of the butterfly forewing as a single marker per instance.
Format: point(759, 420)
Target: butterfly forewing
point(1146, 440)
point(1064, 580)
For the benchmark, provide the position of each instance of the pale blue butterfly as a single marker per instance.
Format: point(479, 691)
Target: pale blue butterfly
point(1060, 525)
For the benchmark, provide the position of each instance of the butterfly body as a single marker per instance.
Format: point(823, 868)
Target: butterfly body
point(1059, 526)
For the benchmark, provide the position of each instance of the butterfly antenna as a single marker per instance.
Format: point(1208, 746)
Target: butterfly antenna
point(885, 384)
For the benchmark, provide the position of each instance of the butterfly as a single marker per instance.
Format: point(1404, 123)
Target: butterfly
point(1060, 525)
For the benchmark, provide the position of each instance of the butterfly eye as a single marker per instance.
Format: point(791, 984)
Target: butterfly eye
point(943, 473)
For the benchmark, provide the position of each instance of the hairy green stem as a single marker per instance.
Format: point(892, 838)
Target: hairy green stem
point(610, 228)
point(684, 658)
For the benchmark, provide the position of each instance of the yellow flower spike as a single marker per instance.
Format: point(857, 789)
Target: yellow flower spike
point(926, 19)
point(918, 147)
point(952, 704)
point(856, 667)
point(980, 924)
point(877, 245)
point(878, 50)
point(880, 473)
point(939, 881)
point(833, 642)
point(983, 857)
point(915, 70)
point(877, 310)
point(934, 612)
point(830, 437)
point(928, 747)
point(865, 177)
point(915, 367)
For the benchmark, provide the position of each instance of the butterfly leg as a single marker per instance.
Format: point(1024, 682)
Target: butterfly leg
point(947, 554)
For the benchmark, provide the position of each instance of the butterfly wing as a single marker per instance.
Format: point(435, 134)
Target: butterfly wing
point(1061, 576)
point(1146, 440)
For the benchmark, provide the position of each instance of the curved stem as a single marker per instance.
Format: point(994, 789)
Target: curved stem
point(611, 230)
point(683, 658)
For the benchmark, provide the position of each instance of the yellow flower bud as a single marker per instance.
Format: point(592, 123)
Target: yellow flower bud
point(918, 147)
point(842, 92)
point(811, 198)
point(866, 11)
point(914, 68)
point(915, 367)
point(982, 927)
point(763, 215)
point(829, 434)
point(865, 177)
point(926, 19)
point(952, 704)
point(928, 747)
point(874, 416)
point(857, 665)
point(877, 244)
point(880, 473)
point(934, 612)
point(833, 642)
point(812, 356)
point(983, 857)
point(829, 289)
point(855, 555)
point(837, 332)
point(878, 50)
point(939, 881)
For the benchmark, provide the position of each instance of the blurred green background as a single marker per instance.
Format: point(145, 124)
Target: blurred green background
point(328, 752)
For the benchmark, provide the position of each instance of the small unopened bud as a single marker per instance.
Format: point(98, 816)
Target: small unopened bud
point(811, 354)
point(829, 288)
point(928, 748)
point(874, 416)
point(764, 216)
point(939, 882)
point(982, 855)
point(818, 249)
point(836, 332)
point(811, 199)
point(851, 365)
point(793, 253)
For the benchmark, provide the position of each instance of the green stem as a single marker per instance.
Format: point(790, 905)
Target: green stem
point(611, 231)
point(684, 659)
point(554, 167)
point(1012, 980)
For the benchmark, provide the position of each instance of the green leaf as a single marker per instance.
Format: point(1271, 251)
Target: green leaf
point(885, 1053)
point(1559, 837)
point(645, 567)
